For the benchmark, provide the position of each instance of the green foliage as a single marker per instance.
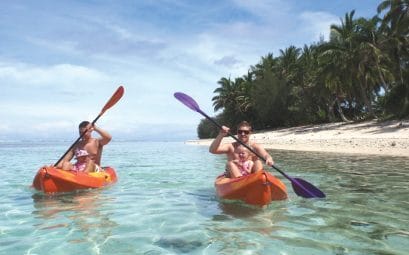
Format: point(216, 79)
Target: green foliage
point(361, 72)
point(206, 129)
point(269, 97)
point(397, 101)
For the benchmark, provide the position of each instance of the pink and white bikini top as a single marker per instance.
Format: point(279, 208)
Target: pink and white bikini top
point(80, 166)
point(244, 167)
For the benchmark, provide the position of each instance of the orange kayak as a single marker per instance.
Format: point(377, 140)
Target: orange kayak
point(259, 188)
point(50, 179)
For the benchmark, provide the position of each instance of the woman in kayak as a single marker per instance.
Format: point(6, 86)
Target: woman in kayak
point(243, 134)
point(93, 146)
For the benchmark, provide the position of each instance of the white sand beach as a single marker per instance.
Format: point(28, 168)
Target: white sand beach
point(389, 138)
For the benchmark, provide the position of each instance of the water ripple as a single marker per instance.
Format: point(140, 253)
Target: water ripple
point(167, 205)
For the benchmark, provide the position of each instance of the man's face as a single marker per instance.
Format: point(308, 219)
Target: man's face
point(87, 133)
point(243, 133)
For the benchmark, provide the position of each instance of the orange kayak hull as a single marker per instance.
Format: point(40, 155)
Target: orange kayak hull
point(258, 189)
point(52, 180)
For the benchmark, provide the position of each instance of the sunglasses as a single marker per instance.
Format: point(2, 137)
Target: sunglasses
point(246, 132)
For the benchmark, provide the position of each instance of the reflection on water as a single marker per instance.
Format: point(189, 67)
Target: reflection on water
point(366, 209)
point(168, 205)
point(81, 215)
point(179, 245)
point(236, 209)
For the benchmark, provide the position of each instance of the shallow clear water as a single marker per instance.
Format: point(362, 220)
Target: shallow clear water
point(165, 203)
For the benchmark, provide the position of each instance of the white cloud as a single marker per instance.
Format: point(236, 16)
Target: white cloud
point(317, 24)
point(265, 8)
point(64, 75)
point(228, 61)
point(54, 125)
point(58, 68)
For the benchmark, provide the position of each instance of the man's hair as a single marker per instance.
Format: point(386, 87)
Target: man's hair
point(244, 124)
point(83, 124)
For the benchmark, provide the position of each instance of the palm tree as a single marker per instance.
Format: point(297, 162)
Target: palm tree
point(234, 98)
point(352, 60)
point(266, 63)
point(315, 95)
point(395, 29)
point(290, 70)
point(288, 64)
point(395, 26)
point(225, 94)
point(244, 94)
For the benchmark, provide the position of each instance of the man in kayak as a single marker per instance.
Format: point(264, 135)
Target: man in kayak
point(93, 146)
point(230, 149)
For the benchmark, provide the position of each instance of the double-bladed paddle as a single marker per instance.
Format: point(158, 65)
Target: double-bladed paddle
point(111, 102)
point(301, 187)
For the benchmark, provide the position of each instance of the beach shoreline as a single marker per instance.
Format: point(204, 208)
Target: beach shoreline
point(388, 138)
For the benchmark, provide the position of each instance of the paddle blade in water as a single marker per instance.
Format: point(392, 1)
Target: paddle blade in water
point(302, 188)
point(305, 189)
point(187, 100)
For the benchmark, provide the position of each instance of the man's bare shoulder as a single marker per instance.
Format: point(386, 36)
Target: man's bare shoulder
point(227, 147)
point(254, 144)
point(258, 148)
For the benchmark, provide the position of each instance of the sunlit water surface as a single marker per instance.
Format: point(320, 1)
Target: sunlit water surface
point(165, 203)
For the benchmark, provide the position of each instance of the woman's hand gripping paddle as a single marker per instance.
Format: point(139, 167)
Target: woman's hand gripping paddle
point(301, 187)
point(111, 102)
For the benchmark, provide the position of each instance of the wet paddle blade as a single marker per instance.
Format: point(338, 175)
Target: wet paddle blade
point(305, 189)
point(114, 99)
point(302, 188)
point(187, 100)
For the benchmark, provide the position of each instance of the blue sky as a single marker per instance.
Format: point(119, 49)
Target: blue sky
point(60, 61)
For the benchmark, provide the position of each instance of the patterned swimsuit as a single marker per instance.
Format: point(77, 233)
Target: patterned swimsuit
point(244, 167)
point(79, 166)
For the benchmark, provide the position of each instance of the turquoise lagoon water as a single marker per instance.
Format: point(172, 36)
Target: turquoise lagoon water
point(165, 203)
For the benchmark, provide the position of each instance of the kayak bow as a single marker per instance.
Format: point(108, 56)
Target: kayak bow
point(259, 188)
point(50, 179)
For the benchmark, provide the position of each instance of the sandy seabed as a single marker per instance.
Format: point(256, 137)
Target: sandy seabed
point(389, 138)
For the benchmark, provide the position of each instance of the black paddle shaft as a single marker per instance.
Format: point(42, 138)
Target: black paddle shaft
point(76, 141)
point(239, 141)
point(301, 187)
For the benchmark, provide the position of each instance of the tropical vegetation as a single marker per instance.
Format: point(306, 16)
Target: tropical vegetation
point(361, 72)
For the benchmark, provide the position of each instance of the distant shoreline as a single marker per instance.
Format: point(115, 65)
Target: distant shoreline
point(388, 138)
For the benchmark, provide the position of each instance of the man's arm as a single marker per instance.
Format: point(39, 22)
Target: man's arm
point(67, 158)
point(216, 147)
point(105, 136)
point(262, 152)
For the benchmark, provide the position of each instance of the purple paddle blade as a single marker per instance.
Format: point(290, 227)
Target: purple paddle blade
point(305, 189)
point(302, 188)
point(187, 100)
